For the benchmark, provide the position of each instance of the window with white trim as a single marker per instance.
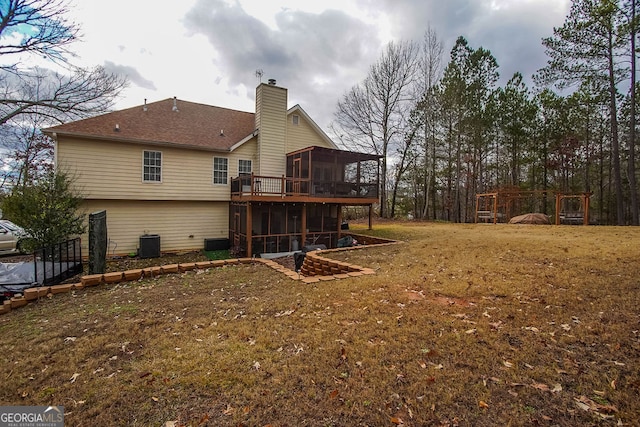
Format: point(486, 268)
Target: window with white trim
point(152, 166)
point(220, 170)
point(244, 167)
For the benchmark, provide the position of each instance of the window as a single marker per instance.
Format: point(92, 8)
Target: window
point(295, 119)
point(220, 170)
point(244, 167)
point(152, 166)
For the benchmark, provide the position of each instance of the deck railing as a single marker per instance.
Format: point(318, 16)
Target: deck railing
point(257, 185)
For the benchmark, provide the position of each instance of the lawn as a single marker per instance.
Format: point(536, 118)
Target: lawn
point(462, 325)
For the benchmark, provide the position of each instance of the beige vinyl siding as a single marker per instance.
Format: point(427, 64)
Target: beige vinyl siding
point(256, 165)
point(113, 170)
point(302, 135)
point(247, 151)
point(174, 222)
point(271, 102)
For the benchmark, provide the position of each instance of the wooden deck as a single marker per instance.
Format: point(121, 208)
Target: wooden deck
point(268, 189)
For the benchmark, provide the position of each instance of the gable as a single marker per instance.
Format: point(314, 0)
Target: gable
point(305, 132)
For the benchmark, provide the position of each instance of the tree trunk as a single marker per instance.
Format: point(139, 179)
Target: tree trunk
point(615, 144)
point(633, 189)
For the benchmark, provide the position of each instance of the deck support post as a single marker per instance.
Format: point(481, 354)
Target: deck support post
point(249, 231)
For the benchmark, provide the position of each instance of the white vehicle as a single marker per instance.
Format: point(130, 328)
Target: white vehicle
point(11, 236)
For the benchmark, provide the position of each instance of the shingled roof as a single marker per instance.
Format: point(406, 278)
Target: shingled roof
point(192, 125)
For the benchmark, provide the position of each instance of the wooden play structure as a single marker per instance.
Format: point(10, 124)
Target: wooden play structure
point(503, 204)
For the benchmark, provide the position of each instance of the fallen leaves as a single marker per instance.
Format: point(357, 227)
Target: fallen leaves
point(496, 325)
point(284, 313)
point(540, 386)
point(586, 404)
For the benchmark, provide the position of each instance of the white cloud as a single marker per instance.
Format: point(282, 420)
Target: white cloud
point(208, 50)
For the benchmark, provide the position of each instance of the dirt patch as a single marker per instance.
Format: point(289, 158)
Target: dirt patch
point(132, 263)
point(286, 261)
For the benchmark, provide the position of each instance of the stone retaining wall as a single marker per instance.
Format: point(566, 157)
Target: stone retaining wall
point(314, 269)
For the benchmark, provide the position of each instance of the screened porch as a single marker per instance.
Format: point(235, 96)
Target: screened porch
point(316, 173)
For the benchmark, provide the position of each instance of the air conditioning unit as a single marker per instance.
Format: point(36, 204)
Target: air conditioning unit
point(216, 244)
point(149, 246)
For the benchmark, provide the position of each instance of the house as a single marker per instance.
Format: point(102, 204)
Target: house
point(268, 181)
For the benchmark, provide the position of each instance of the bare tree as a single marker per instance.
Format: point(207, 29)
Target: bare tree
point(431, 68)
point(28, 152)
point(32, 97)
point(36, 26)
point(58, 97)
point(373, 115)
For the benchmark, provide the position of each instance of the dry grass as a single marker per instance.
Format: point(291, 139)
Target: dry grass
point(470, 325)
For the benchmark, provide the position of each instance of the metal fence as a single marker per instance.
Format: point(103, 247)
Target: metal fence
point(58, 262)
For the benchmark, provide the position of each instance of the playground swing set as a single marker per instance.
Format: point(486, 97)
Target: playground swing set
point(502, 205)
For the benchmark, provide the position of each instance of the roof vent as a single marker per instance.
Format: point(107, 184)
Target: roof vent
point(272, 82)
point(144, 107)
point(117, 128)
point(175, 104)
point(221, 132)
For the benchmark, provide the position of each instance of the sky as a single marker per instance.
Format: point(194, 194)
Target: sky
point(208, 51)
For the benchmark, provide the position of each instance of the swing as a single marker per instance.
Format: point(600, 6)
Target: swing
point(572, 213)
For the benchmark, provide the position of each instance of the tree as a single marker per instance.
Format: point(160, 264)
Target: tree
point(633, 186)
point(465, 91)
point(431, 67)
point(481, 75)
point(588, 46)
point(58, 97)
point(29, 153)
point(372, 116)
point(629, 10)
point(516, 112)
point(49, 31)
point(31, 96)
point(46, 209)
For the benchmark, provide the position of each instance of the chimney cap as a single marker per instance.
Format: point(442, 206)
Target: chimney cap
point(272, 82)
